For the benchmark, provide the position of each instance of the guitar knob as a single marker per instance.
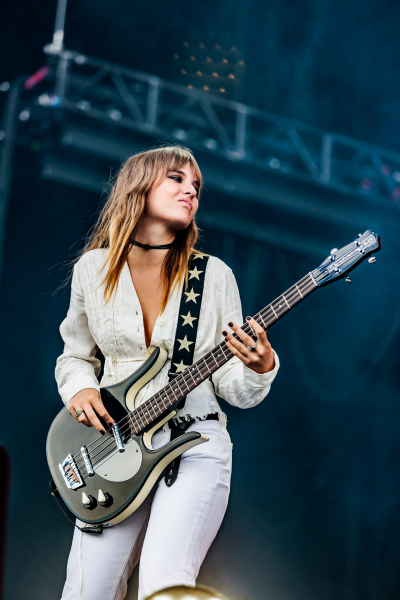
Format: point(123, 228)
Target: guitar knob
point(348, 280)
point(371, 260)
point(104, 499)
point(88, 501)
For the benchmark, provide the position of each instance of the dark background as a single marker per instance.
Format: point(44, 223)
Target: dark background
point(314, 509)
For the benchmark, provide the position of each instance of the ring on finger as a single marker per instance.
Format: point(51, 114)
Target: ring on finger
point(253, 348)
point(78, 412)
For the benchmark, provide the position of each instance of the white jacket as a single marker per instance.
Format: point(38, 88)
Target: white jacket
point(117, 329)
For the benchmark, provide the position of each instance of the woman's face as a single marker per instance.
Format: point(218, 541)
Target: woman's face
point(174, 200)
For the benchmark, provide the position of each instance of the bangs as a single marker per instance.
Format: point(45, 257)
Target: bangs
point(177, 157)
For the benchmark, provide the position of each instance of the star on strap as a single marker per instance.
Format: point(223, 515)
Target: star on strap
point(180, 367)
point(191, 296)
point(185, 344)
point(188, 319)
point(195, 273)
point(197, 256)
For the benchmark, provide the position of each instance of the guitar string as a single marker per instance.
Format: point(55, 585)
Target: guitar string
point(132, 421)
point(290, 295)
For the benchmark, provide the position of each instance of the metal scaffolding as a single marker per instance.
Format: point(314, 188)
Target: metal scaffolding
point(236, 132)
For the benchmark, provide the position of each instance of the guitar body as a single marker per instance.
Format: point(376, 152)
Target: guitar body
point(123, 479)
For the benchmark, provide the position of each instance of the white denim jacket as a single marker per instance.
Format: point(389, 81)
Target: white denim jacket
point(117, 329)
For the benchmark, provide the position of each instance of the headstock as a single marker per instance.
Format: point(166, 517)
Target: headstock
point(341, 262)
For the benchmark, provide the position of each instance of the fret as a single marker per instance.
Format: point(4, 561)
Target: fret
point(201, 376)
point(272, 308)
point(190, 373)
point(172, 389)
point(299, 291)
point(215, 360)
point(264, 325)
point(184, 381)
point(286, 300)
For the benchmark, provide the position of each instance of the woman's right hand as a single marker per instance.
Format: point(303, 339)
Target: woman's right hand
point(89, 400)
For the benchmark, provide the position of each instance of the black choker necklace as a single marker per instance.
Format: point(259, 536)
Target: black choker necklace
point(147, 247)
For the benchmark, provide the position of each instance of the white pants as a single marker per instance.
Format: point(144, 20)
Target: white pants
point(171, 532)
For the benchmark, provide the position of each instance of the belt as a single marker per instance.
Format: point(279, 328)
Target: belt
point(183, 425)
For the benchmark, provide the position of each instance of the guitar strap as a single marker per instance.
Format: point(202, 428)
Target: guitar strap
point(185, 342)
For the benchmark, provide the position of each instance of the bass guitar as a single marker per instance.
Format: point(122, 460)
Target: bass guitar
point(104, 479)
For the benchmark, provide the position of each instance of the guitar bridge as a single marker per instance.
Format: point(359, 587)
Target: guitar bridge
point(70, 473)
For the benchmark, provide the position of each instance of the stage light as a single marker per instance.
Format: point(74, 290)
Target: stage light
point(176, 55)
point(223, 90)
point(202, 45)
point(180, 134)
point(5, 86)
point(241, 62)
point(231, 75)
point(114, 114)
point(24, 114)
point(183, 592)
point(225, 60)
point(183, 71)
point(49, 99)
point(190, 86)
point(199, 73)
point(274, 163)
point(209, 59)
point(84, 105)
point(206, 88)
point(210, 144)
point(215, 74)
point(192, 57)
point(80, 59)
point(396, 175)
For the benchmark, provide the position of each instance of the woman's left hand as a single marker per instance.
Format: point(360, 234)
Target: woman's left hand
point(261, 360)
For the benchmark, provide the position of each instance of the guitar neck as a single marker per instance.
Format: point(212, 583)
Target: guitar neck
point(194, 375)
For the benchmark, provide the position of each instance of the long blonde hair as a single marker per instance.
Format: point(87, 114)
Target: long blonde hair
point(117, 222)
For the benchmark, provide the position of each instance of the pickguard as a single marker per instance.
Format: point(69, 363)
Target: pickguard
point(121, 466)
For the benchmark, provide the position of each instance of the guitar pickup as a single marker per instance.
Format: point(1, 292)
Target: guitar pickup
point(70, 473)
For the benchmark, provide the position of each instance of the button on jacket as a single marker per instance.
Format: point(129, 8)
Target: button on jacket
point(117, 329)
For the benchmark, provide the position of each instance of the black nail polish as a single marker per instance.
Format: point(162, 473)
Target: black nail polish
point(224, 333)
point(103, 432)
point(248, 318)
point(230, 324)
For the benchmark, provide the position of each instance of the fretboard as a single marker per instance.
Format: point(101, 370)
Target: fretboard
point(194, 375)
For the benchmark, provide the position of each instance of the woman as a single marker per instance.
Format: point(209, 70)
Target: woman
point(125, 299)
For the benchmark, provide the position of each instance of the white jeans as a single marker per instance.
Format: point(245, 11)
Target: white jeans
point(171, 532)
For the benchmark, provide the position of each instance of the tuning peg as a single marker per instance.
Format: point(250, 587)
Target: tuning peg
point(371, 260)
point(359, 235)
point(348, 280)
point(333, 250)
